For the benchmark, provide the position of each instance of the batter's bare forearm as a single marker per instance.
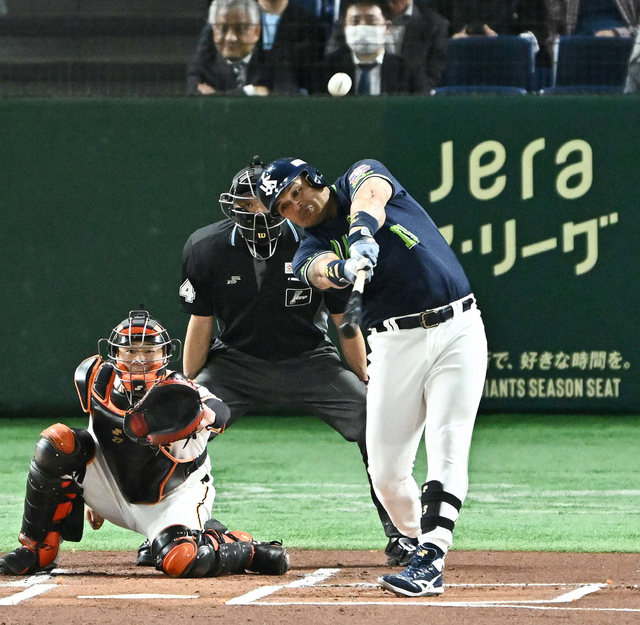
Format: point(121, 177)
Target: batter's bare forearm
point(354, 351)
point(196, 345)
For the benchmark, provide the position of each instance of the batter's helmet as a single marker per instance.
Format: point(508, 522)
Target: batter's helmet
point(278, 175)
point(138, 332)
point(259, 229)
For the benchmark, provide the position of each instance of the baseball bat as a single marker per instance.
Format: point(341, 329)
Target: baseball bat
point(352, 316)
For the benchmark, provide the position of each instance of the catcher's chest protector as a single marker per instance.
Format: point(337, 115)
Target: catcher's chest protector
point(144, 474)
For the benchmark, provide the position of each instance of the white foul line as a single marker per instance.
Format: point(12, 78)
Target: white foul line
point(32, 591)
point(148, 595)
point(567, 597)
point(308, 580)
point(577, 593)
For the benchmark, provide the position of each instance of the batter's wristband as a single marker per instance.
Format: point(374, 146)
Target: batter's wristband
point(364, 220)
point(334, 272)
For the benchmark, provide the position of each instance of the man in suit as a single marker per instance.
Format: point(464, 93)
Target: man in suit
point(256, 48)
point(418, 34)
point(294, 38)
point(231, 59)
point(363, 56)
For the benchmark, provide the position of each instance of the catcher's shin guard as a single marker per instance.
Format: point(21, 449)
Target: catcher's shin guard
point(53, 507)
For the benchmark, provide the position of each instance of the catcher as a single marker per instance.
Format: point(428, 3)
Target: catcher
point(141, 464)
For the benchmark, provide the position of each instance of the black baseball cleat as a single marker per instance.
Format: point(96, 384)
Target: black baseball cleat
point(22, 561)
point(400, 550)
point(144, 555)
point(269, 558)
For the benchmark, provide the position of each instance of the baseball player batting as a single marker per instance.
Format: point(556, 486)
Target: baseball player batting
point(141, 464)
point(428, 346)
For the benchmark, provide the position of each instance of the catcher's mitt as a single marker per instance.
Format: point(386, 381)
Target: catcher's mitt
point(169, 411)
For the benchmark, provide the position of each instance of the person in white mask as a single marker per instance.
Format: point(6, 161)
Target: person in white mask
point(363, 57)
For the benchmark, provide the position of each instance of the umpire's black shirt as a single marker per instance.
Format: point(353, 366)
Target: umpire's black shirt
point(262, 308)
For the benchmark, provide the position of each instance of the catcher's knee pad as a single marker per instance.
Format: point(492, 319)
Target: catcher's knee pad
point(269, 559)
point(432, 497)
point(181, 552)
point(175, 551)
point(62, 450)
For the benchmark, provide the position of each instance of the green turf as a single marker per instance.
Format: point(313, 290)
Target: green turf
point(557, 483)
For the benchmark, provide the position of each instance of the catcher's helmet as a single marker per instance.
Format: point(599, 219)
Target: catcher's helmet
point(277, 176)
point(259, 229)
point(137, 333)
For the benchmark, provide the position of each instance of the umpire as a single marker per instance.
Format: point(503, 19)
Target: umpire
point(272, 345)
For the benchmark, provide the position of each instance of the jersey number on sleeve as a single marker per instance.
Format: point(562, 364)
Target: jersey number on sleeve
point(187, 291)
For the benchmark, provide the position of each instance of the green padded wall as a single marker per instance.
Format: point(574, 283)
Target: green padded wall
point(537, 196)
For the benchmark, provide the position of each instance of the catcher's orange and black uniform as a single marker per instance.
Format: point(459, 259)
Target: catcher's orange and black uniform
point(164, 491)
point(143, 474)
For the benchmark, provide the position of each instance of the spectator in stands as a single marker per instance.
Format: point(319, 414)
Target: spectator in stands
point(491, 18)
point(373, 70)
point(229, 60)
point(288, 44)
point(418, 34)
point(602, 18)
point(633, 76)
point(294, 38)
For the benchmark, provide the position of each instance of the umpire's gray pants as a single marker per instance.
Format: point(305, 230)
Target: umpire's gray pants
point(316, 383)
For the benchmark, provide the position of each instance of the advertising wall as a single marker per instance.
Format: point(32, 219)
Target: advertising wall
point(537, 196)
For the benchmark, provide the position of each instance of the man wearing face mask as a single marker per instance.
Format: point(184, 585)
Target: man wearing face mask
point(363, 56)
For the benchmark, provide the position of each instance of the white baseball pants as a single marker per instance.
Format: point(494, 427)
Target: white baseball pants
point(424, 380)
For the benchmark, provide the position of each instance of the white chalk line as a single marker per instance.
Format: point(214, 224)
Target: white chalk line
point(487, 585)
point(32, 591)
point(315, 579)
point(147, 595)
point(308, 580)
point(443, 604)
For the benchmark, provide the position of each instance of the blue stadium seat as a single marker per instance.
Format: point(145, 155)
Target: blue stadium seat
point(478, 90)
point(504, 65)
point(588, 64)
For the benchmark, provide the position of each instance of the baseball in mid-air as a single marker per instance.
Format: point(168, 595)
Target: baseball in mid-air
point(339, 84)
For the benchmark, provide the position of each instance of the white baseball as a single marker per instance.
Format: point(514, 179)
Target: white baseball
point(339, 84)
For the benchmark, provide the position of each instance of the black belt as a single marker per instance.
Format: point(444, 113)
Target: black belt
point(426, 319)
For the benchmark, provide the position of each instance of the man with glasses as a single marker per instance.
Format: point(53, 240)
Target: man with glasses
point(230, 61)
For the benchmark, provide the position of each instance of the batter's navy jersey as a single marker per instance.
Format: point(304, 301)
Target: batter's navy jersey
point(416, 270)
point(262, 308)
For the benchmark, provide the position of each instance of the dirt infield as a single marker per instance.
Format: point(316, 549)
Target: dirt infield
point(327, 587)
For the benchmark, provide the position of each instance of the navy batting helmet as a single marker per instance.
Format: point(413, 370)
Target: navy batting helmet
point(279, 174)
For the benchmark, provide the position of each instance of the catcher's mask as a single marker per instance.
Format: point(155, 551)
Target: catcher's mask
point(258, 228)
point(140, 348)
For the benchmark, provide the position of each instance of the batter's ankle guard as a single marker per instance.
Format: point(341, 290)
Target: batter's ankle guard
point(433, 495)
